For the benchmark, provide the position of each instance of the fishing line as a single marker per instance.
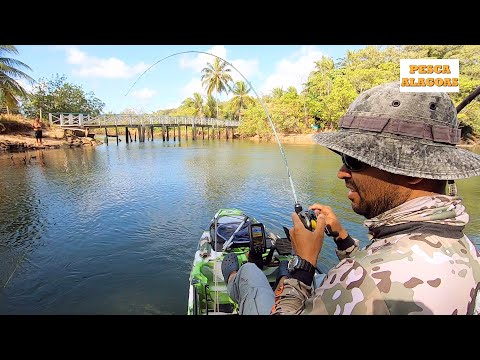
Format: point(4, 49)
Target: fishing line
point(256, 94)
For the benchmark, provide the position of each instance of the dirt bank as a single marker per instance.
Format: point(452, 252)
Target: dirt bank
point(473, 143)
point(285, 138)
point(16, 134)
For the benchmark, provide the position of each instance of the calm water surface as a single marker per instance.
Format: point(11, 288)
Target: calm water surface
point(113, 229)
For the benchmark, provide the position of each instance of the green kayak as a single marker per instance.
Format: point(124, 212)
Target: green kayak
point(228, 232)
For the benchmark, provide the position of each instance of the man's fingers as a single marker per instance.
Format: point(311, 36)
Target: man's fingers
point(296, 219)
point(319, 208)
point(320, 223)
point(315, 206)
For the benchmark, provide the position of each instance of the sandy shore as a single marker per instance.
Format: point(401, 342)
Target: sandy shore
point(308, 139)
point(29, 140)
point(52, 139)
point(286, 138)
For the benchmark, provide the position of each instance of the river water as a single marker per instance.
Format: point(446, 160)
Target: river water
point(113, 229)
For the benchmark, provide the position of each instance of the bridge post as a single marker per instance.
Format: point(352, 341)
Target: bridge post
point(226, 132)
point(126, 134)
point(50, 119)
point(163, 133)
point(186, 131)
point(106, 136)
point(80, 120)
point(151, 129)
point(61, 119)
point(168, 135)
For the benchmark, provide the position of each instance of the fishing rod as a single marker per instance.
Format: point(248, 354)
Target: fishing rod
point(308, 218)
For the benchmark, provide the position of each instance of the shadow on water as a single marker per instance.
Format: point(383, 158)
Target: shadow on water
point(113, 230)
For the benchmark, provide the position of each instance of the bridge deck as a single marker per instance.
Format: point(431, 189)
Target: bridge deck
point(112, 120)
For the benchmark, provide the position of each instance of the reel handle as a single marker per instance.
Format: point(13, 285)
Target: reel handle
point(309, 220)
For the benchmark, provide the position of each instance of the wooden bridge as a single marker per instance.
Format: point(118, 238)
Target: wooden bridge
point(140, 123)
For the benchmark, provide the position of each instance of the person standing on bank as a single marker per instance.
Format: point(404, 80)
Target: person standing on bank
point(37, 127)
point(398, 151)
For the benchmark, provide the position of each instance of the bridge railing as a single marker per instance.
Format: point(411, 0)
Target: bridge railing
point(68, 119)
point(81, 120)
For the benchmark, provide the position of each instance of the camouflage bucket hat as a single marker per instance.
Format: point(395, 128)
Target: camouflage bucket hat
point(411, 134)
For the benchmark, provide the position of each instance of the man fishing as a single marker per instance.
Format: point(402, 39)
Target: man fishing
point(398, 152)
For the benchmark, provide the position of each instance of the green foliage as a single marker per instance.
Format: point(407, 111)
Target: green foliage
point(241, 100)
point(331, 87)
point(210, 107)
point(194, 105)
point(56, 95)
point(254, 122)
point(10, 89)
point(216, 77)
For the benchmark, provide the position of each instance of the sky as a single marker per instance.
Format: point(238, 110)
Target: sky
point(132, 77)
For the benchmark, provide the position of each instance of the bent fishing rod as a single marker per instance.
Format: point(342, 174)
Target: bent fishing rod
point(308, 217)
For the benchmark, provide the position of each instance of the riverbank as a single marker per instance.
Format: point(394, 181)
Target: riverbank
point(306, 139)
point(302, 139)
point(16, 134)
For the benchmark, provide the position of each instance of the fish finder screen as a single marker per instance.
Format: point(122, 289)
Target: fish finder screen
point(257, 235)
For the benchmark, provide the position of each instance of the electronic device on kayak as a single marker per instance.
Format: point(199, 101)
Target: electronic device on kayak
point(258, 239)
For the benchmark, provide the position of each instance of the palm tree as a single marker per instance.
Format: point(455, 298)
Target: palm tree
point(9, 87)
point(209, 108)
point(277, 92)
point(216, 77)
point(241, 97)
point(196, 104)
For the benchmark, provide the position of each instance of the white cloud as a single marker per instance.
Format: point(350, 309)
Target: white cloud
point(198, 62)
point(170, 105)
point(248, 67)
point(75, 56)
point(25, 84)
point(143, 94)
point(90, 66)
point(193, 86)
point(294, 70)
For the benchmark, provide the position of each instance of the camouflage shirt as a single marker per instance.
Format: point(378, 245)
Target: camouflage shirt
point(419, 262)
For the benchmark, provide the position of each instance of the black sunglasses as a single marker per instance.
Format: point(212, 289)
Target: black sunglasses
point(353, 164)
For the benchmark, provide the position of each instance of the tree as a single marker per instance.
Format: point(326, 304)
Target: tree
point(10, 89)
point(241, 98)
point(57, 96)
point(216, 77)
point(277, 92)
point(209, 108)
point(195, 103)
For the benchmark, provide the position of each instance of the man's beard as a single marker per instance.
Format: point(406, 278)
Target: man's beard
point(375, 201)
